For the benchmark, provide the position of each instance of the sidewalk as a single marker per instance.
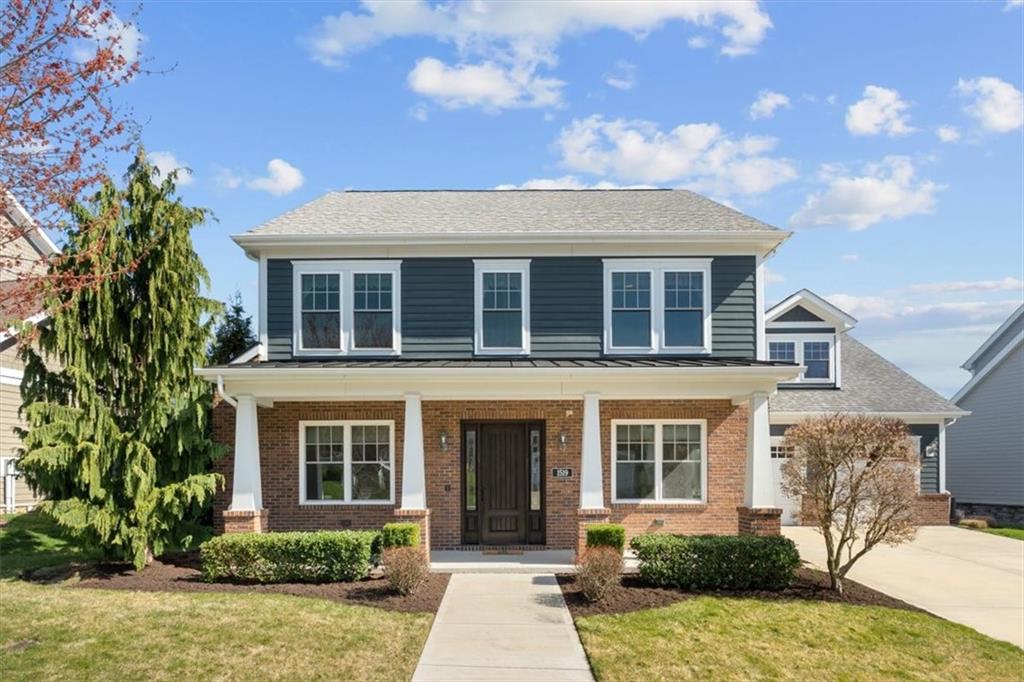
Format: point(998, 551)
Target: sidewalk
point(503, 627)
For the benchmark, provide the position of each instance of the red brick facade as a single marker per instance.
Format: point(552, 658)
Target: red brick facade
point(279, 462)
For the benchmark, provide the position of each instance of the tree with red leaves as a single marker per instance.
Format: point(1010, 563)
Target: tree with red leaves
point(60, 63)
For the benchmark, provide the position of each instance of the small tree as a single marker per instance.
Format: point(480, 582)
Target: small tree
point(117, 439)
point(855, 478)
point(234, 334)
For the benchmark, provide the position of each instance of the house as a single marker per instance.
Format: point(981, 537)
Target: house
point(841, 374)
point(25, 253)
point(507, 367)
point(986, 462)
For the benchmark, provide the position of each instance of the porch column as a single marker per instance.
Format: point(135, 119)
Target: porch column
point(759, 490)
point(414, 486)
point(246, 485)
point(942, 457)
point(591, 480)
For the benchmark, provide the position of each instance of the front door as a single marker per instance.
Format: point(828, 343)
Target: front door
point(502, 487)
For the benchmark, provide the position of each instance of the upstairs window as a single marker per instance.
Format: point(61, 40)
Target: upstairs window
point(657, 306)
point(346, 308)
point(817, 360)
point(782, 351)
point(816, 355)
point(502, 302)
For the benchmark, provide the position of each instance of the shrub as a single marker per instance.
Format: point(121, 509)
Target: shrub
point(598, 570)
point(400, 535)
point(606, 535)
point(975, 522)
point(322, 556)
point(716, 562)
point(405, 568)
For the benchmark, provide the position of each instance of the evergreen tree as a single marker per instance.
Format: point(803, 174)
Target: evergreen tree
point(117, 438)
point(234, 334)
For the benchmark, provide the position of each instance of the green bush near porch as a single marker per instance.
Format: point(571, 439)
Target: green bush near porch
point(320, 556)
point(606, 535)
point(716, 562)
point(400, 535)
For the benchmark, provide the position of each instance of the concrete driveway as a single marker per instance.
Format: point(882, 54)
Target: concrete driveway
point(962, 575)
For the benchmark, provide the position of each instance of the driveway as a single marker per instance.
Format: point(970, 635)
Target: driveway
point(962, 575)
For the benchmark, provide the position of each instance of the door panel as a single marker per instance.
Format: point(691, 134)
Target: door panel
point(504, 489)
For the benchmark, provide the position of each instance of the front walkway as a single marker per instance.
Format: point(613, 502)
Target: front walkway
point(965, 576)
point(501, 626)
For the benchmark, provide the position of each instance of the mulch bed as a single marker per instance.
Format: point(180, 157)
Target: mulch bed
point(633, 595)
point(180, 573)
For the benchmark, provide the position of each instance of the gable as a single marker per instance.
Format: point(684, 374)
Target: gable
point(798, 314)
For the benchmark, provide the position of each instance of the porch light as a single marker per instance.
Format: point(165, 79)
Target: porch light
point(563, 440)
point(444, 441)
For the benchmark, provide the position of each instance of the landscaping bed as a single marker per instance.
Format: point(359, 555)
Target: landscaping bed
point(181, 573)
point(633, 595)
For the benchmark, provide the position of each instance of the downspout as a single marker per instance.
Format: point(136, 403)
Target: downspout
point(224, 396)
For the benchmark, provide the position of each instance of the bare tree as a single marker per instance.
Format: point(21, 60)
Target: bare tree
point(855, 477)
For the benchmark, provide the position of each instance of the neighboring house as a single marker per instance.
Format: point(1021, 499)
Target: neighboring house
point(843, 375)
point(506, 367)
point(986, 449)
point(28, 253)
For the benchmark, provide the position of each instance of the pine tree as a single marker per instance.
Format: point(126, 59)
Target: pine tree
point(117, 438)
point(234, 334)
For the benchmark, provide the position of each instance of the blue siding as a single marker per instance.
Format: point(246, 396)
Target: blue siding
point(279, 309)
point(733, 306)
point(566, 307)
point(437, 308)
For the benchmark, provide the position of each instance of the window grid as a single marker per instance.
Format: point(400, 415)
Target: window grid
point(372, 291)
point(347, 463)
point(684, 291)
point(781, 451)
point(503, 291)
point(782, 351)
point(664, 461)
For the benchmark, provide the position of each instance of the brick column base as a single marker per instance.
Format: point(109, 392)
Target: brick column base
point(420, 517)
point(932, 509)
point(585, 517)
point(246, 521)
point(759, 521)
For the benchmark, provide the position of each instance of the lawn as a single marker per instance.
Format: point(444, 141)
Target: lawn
point(54, 632)
point(1015, 533)
point(30, 541)
point(739, 639)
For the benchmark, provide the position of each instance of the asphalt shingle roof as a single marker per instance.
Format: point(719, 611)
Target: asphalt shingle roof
point(509, 211)
point(870, 383)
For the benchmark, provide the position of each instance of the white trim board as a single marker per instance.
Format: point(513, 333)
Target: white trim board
point(815, 304)
point(347, 425)
point(658, 462)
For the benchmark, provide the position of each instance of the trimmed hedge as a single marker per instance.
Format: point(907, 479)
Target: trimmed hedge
point(606, 535)
point(400, 535)
point(320, 556)
point(716, 562)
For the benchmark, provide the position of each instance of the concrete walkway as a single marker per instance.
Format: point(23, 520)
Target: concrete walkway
point(503, 627)
point(965, 576)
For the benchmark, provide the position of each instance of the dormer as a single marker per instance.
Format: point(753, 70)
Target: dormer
point(807, 330)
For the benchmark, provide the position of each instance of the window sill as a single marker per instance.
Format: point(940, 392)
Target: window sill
point(651, 505)
point(342, 503)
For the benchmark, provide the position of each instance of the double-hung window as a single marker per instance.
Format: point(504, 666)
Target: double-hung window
point(502, 307)
point(659, 460)
point(346, 307)
point(657, 306)
point(346, 462)
point(816, 355)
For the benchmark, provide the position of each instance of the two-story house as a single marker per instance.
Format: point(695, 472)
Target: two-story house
point(505, 367)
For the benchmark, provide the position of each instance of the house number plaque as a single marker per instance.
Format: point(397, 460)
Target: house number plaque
point(561, 472)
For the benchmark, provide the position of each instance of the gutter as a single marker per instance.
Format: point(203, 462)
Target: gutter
point(223, 395)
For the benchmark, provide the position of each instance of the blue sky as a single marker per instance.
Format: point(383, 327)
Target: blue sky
point(888, 136)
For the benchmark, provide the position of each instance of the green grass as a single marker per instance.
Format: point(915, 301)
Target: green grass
point(54, 632)
point(740, 639)
point(30, 541)
point(1015, 533)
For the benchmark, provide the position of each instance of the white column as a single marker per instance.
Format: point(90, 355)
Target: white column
point(759, 490)
point(942, 458)
point(414, 482)
point(246, 485)
point(591, 481)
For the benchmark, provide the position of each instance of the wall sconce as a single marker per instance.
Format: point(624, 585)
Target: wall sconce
point(563, 440)
point(444, 441)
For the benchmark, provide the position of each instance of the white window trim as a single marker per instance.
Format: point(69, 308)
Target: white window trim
point(347, 466)
point(658, 441)
point(657, 267)
point(798, 342)
point(346, 269)
point(481, 266)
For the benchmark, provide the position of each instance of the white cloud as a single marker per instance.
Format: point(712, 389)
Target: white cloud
point(165, 163)
point(884, 191)
point(282, 178)
point(947, 133)
point(879, 111)
point(940, 315)
point(420, 112)
point(568, 182)
point(622, 77)
point(851, 257)
point(1012, 5)
point(488, 85)
point(123, 38)
point(997, 105)
point(766, 103)
point(698, 42)
point(1004, 284)
point(227, 178)
point(700, 156)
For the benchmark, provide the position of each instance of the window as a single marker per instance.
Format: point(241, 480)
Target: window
point(816, 359)
point(502, 299)
point(346, 462)
point(657, 305)
point(346, 307)
point(780, 451)
point(816, 352)
point(782, 351)
point(535, 471)
point(659, 461)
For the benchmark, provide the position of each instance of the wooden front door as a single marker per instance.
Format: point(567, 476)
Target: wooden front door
point(502, 495)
